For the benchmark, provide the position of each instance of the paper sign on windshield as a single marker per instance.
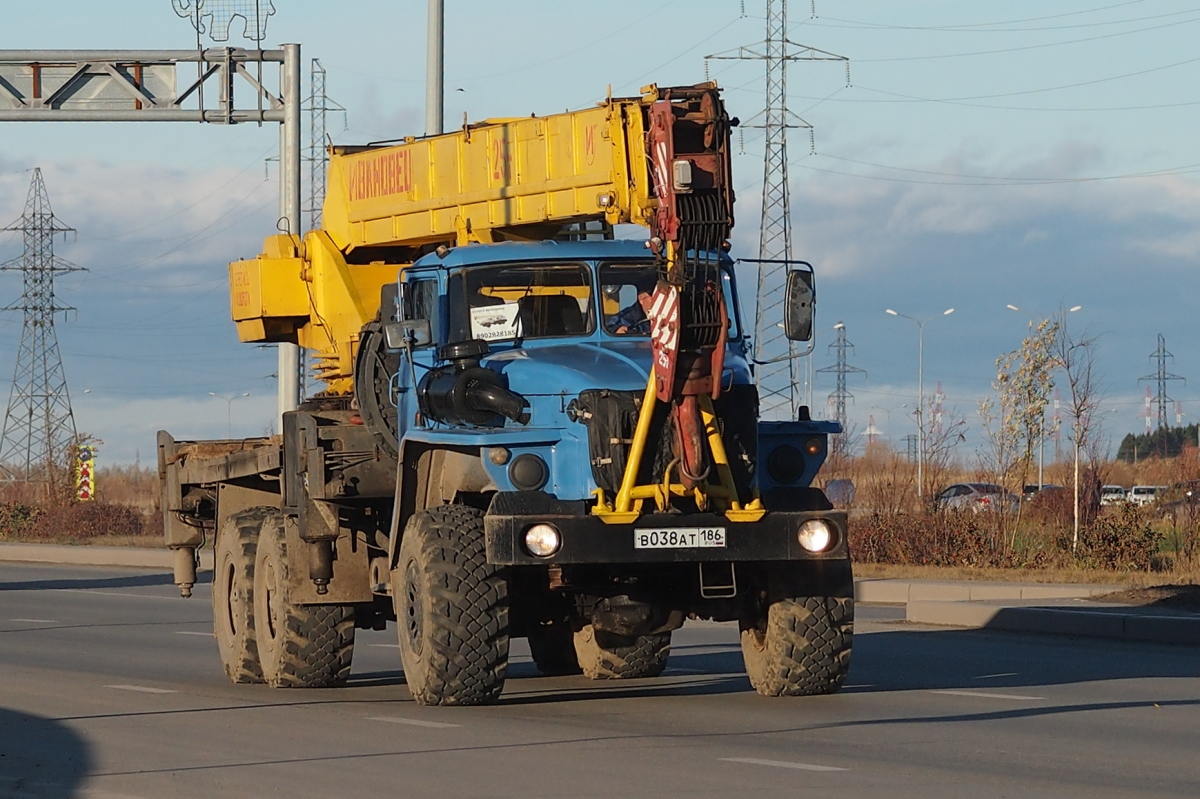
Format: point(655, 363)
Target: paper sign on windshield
point(495, 322)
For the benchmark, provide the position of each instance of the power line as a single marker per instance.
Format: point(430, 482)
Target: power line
point(841, 347)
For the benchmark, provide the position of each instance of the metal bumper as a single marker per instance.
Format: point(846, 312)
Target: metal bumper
point(588, 540)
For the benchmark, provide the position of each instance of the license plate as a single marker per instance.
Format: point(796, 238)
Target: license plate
point(679, 538)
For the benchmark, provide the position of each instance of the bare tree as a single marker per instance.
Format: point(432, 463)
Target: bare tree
point(1013, 419)
point(1076, 356)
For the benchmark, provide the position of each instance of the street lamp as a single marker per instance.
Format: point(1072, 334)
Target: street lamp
point(1042, 426)
point(920, 389)
point(228, 410)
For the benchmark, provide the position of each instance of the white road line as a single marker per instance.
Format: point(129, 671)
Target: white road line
point(143, 689)
point(1005, 674)
point(982, 695)
point(387, 646)
point(193, 632)
point(412, 722)
point(37, 621)
point(754, 761)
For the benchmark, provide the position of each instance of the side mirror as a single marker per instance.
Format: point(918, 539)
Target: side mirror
point(410, 333)
point(799, 305)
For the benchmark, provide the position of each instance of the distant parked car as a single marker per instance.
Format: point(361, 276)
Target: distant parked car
point(1030, 491)
point(1144, 495)
point(840, 492)
point(1113, 495)
point(977, 497)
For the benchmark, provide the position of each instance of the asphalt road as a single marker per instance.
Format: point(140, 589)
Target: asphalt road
point(110, 686)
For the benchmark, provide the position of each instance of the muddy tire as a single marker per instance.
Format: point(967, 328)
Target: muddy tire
point(299, 646)
point(233, 595)
point(605, 656)
point(451, 609)
point(803, 649)
point(553, 649)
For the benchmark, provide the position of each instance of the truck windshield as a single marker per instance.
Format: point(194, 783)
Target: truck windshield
point(625, 289)
point(526, 300)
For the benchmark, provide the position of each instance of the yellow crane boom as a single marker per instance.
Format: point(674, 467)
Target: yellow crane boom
point(515, 179)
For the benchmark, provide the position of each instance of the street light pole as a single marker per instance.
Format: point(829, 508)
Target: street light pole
point(920, 391)
point(228, 410)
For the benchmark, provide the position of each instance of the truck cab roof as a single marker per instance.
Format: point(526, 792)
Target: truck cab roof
point(475, 254)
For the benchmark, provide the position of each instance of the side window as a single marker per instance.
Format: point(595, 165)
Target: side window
point(420, 297)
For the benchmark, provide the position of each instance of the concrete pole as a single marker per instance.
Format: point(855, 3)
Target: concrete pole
point(920, 408)
point(289, 210)
point(434, 68)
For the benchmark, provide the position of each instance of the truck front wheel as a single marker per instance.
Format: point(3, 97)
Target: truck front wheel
point(299, 646)
point(606, 656)
point(233, 595)
point(801, 648)
point(451, 608)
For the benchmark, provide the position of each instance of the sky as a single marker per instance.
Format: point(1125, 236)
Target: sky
point(1024, 152)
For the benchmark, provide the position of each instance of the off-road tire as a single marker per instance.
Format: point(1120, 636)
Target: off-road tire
point(553, 649)
point(451, 609)
point(233, 595)
point(605, 656)
point(804, 648)
point(299, 646)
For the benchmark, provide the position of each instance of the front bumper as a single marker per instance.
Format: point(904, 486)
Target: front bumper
point(588, 540)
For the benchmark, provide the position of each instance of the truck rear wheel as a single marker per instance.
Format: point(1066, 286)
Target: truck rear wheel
point(606, 656)
point(233, 595)
point(553, 649)
point(451, 608)
point(299, 646)
point(802, 649)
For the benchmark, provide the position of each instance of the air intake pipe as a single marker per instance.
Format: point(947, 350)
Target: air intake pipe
point(465, 393)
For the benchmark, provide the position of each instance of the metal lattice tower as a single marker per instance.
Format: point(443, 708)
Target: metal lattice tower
point(779, 378)
point(841, 347)
point(1162, 377)
point(319, 106)
point(39, 427)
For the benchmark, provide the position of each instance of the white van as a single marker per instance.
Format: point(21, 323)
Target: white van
point(1144, 495)
point(1113, 495)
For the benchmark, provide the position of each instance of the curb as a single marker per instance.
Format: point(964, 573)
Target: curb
point(902, 592)
point(83, 555)
point(1086, 622)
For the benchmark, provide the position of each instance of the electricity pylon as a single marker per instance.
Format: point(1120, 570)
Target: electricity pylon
point(778, 372)
point(39, 427)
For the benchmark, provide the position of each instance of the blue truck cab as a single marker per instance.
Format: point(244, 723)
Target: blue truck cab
point(519, 369)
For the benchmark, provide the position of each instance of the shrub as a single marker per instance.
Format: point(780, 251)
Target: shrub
point(84, 520)
point(15, 519)
point(1123, 541)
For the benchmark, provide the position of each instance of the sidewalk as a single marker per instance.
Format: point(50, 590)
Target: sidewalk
point(1058, 609)
point(1055, 608)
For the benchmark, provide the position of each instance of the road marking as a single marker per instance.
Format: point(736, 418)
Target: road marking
point(387, 646)
point(1005, 674)
point(412, 722)
point(143, 689)
point(37, 621)
point(113, 593)
point(982, 695)
point(193, 632)
point(754, 761)
point(682, 670)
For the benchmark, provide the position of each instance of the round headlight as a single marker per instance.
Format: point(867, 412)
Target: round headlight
point(542, 540)
point(785, 464)
point(528, 472)
point(815, 535)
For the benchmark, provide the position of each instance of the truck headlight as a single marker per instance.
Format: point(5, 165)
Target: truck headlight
point(542, 540)
point(815, 535)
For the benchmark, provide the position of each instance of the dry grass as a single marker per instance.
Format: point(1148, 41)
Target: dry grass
point(1103, 577)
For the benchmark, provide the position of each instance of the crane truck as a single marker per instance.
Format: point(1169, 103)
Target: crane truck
point(527, 427)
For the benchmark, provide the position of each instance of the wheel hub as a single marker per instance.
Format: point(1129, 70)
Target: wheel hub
point(414, 614)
